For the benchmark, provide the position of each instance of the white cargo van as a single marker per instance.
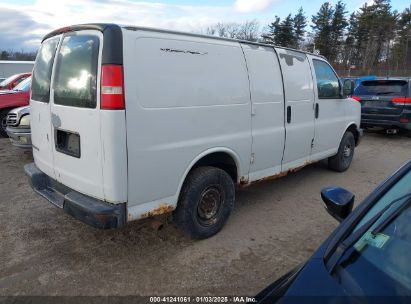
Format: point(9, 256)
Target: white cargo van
point(131, 122)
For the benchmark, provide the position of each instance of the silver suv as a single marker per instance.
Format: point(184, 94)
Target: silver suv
point(18, 127)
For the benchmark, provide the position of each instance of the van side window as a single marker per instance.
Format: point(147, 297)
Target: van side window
point(40, 87)
point(327, 82)
point(76, 72)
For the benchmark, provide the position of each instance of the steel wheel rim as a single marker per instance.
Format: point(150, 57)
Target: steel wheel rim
point(347, 150)
point(210, 205)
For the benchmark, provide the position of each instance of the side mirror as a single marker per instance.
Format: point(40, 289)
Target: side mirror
point(338, 202)
point(348, 87)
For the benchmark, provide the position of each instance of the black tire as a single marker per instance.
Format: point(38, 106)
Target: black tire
point(3, 116)
point(342, 160)
point(205, 203)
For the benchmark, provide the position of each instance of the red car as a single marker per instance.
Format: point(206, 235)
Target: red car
point(13, 81)
point(10, 99)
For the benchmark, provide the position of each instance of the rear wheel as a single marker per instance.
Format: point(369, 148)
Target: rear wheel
point(3, 124)
point(342, 160)
point(205, 203)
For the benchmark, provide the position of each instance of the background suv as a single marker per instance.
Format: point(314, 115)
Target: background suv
point(385, 103)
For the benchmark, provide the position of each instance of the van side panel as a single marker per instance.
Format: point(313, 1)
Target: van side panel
point(267, 97)
point(184, 95)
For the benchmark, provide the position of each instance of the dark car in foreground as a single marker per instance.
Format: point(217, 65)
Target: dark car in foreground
point(385, 103)
point(11, 99)
point(366, 259)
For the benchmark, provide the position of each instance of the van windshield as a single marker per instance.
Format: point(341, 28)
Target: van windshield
point(76, 71)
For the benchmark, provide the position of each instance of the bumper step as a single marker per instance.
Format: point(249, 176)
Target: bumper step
point(89, 210)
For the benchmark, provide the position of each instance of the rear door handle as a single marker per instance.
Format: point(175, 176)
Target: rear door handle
point(55, 120)
point(317, 110)
point(289, 114)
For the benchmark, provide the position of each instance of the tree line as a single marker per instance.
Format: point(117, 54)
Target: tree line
point(17, 55)
point(373, 40)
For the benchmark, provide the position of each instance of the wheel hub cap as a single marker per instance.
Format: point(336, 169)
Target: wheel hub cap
point(347, 151)
point(210, 203)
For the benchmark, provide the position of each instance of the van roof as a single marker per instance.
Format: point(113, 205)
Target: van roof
point(107, 26)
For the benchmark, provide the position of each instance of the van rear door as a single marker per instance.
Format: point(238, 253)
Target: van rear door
point(75, 113)
point(41, 133)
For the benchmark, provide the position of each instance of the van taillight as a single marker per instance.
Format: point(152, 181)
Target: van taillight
point(401, 100)
point(112, 87)
point(356, 98)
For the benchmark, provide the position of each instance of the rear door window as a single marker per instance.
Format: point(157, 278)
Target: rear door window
point(382, 87)
point(75, 81)
point(40, 89)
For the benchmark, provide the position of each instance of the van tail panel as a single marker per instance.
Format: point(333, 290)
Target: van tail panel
point(114, 152)
point(82, 145)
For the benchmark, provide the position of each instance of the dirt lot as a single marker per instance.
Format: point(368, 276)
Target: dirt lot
point(275, 226)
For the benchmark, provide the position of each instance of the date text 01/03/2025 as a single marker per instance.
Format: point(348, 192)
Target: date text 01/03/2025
point(200, 299)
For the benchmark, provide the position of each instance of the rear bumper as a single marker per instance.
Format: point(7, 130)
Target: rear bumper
point(386, 124)
point(387, 121)
point(20, 137)
point(89, 210)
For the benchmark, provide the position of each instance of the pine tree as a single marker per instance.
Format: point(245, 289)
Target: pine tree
point(349, 49)
point(281, 33)
point(300, 22)
point(322, 29)
point(401, 51)
point(376, 29)
point(285, 36)
point(338, 25)
point(273, 30)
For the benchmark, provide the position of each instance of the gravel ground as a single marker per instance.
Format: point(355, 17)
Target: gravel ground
point(275, 226)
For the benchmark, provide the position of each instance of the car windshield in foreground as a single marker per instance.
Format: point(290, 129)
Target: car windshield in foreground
point(378, 263)
point(24, 85)
point(382, 87)
point(374, 259)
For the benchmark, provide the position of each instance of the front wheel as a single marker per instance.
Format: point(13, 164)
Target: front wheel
point(3, 123)
point(342, 160)
point(205, 203)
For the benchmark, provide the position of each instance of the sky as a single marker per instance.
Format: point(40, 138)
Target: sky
point(24, 22)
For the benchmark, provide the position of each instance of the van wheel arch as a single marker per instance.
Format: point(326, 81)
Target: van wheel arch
point(221, 160)
point(353, 128)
